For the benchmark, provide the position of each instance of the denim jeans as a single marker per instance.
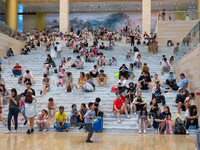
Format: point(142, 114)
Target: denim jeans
point(13, 112)
point(23, 112)
point(65, 126)
point(17, 73)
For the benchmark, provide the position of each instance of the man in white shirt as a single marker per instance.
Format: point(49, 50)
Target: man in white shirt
point(27, 77)
point(122, 84)
point(165, 66)
point(189, 101)
point(59, 49)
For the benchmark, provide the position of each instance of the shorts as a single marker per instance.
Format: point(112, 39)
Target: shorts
point(144, 87)
point(115, 112)
point(60, 81)
point(101, 79)
point(27, 80)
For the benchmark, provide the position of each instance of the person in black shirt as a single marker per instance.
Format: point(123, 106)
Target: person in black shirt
point(131, 91)
point(97, 106)
point(123, 70)
point(153, 105)
point(72, 29)
point(144, 82)
point(132, 39)
point(28, 86)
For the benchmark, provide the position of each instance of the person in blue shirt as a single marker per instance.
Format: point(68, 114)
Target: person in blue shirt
point(159, 121)
point(183, 83)
point(171, 80)
point(88, 121)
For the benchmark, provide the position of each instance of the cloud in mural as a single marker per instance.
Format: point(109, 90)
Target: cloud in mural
point(113, 21)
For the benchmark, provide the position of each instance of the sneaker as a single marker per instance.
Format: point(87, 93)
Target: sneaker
point(89, 141)
point(7, 132)
point(187, 132)
point(72, 91)
point(171, 133)
point(140, 131)
point(118, 121)
point(15, 131)
point(65, 91)
point(134, 113)
point(145, 131)
point(165, 132)
point(28, 132)
point(44, 130)
point(41, 93)
point(128, 117)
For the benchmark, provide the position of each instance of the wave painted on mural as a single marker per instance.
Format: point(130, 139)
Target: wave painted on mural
point(112, 20)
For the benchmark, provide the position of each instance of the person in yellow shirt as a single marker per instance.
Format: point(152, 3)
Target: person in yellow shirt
point(145, 68)
point(60, 123)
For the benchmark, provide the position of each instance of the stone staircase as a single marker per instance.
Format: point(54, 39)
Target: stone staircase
point(34, 62)
point(174, 30)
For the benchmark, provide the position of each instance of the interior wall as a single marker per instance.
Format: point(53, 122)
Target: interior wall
point(40, 21)
point(189, 65)
point(7, 42)
point(29, 23)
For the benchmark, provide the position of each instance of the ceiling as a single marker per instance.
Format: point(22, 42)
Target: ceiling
point(106, 6)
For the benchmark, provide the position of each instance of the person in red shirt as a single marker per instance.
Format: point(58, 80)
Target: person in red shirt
point(17, 70)
point(119, 107)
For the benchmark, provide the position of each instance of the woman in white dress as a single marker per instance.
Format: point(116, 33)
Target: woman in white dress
point(53, 52)
point(30, 110)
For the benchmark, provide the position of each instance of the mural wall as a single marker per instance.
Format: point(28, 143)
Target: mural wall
point(112, 20)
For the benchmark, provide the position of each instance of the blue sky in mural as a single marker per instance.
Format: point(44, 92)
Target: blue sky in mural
point(20, 18)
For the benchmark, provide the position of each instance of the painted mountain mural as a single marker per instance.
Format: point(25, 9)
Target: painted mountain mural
point(113, 21)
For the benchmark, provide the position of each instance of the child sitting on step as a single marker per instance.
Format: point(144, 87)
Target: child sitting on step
point(74, 116)
point(142, 118)
point(168, 115)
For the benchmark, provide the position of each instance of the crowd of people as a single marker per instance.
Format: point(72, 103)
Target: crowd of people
point(128, 97)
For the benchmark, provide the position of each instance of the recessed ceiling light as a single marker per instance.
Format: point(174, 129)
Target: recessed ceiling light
point(190, 7)
point(74, 5)
point(74, 9)
point(179, 3)
point(91, 5)
point(193, 7)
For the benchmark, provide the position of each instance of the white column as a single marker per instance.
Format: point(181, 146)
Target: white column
point(146, 16)
point(64, 16)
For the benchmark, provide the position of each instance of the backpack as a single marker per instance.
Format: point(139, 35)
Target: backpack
point(20, 79)
point(179, 127)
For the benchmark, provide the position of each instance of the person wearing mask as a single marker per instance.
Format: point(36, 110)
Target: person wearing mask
point(13, 110)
